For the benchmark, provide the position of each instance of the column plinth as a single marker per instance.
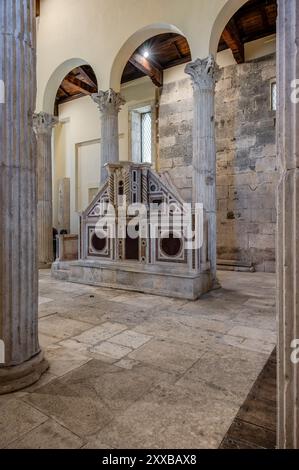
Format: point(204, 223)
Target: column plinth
point(109, 103)
point(22, 362)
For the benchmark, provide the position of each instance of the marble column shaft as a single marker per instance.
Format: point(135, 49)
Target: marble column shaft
point(109, 103)
point(23, 362)
point(288, 223)
point(43, 125)
point(202, 72)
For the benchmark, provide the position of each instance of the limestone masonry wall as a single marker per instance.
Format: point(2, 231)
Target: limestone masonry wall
point(246, 157)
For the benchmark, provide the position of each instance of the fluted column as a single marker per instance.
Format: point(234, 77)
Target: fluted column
point(24, 361)
point(202, 72)
point(43, 125)
point(109, 103)
point(288, 224)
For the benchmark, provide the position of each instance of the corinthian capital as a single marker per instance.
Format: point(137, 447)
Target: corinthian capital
point(108, 101)
point(203, 73)
point(43, 123)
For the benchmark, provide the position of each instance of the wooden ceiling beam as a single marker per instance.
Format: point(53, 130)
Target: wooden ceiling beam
point(80, 86)
point(167, 42)
point(177, 50)
point(232, 39)
point(87, 77)
point(37, 8)
point(63, 91)
point(264, 17)
point(146, 67)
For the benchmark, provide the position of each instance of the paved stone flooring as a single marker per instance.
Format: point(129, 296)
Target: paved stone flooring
point(255, 426)
point(130, 370)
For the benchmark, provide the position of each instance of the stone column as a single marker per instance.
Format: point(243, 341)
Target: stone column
point(202, 72)
point(23, 362)
point(288, 224)
point(109, 103)
point(43, 124)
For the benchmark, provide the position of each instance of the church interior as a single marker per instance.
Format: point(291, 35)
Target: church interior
point(165, 340)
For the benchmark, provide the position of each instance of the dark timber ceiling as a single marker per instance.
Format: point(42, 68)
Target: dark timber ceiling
point(255, 20)
point(166, 50)
point(79, 82)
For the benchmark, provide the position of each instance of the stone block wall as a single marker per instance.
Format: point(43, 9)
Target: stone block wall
point(175, 130)
point(246, 163)
point(246, 157)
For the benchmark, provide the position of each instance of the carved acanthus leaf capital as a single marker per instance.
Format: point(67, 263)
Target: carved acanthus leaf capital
point(203, 73)
point(43, 123)
point(109, 102)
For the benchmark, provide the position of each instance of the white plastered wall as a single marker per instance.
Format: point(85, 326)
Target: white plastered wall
point(108, 32)
point(77, 142)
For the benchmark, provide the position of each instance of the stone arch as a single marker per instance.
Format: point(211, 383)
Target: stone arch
point(132, 43)
point(227, 12)
point(55, 80)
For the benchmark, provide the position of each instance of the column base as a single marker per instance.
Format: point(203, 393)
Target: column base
point(216, 284)
point(18, 377)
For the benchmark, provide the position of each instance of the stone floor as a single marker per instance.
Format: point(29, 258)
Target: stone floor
point(129, 370)
point(255, 425)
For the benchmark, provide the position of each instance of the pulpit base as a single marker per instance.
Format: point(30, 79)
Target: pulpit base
point(170, 282)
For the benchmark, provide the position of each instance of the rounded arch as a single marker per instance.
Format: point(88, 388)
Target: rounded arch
point(227, 12)
point(55, 81)
point(132, 43)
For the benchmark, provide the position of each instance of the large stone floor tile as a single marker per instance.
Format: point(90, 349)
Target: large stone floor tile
point(112, 350)
point(172, 417)
point(62, 360)
point(17, 419)
point(176, 357)
point(228, 368)
point(89, 397)
point(92, 315)
point(175, 328)
point(100, 333)
point(263, 321)
point(131, 339)
point(60, 327)
point(49, 435)
point(253, 333)
point(45, 340)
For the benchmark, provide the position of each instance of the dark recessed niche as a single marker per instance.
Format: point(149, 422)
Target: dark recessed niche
point(121, 188)
point(171, 245)
point(99, 244)
point(132, 248)
point(157, 202)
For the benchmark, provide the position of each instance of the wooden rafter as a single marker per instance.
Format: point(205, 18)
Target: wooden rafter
point(232, 39)
point(265, 17)
point(37, 8)
point(169, 41)
point(87, 77)
point(177, 50)
point(80, 86)
point(65, 93)
point(146, 67)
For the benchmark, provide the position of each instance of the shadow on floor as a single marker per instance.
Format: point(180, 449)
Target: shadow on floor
point(255, 425)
